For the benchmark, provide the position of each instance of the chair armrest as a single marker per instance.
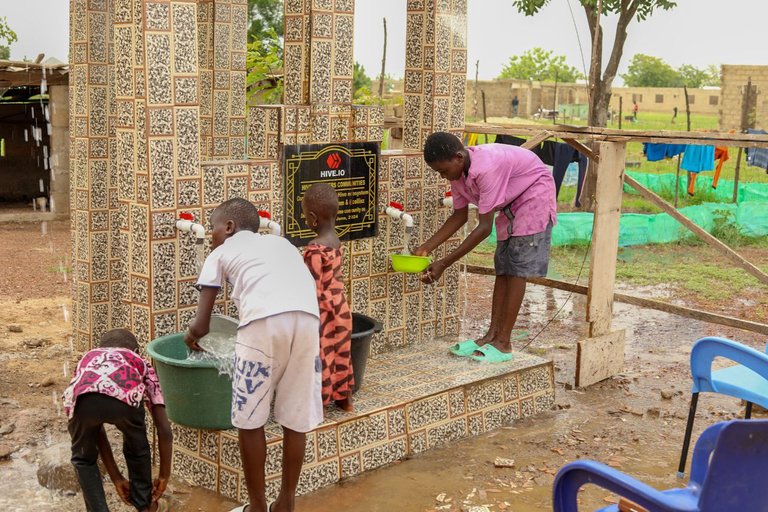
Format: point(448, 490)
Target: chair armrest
point(705, 350)
point(573, 476)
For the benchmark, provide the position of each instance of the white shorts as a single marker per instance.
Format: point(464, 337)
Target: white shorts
point(278, 356)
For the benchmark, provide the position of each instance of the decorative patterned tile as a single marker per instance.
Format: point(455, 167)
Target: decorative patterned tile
point(456, 402)
point(230, 453)
point(319, 475)
point(484, 395)
point(544, 402)
point(350, 465)
point(209, 445)
point(356, 434)
point(526, 408)
point(428, 411)
point(327, 443)
point(446, 433)
point(384, 454)
point(396, 422)
point(534, 380)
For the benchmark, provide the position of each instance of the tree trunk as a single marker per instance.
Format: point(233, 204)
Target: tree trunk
point(383, 61)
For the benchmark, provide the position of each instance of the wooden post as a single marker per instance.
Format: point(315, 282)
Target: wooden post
point(383, 61)
point(736, 177)
point(602, 354)
point(485, 119)
point(687, 108)
point(621, 110)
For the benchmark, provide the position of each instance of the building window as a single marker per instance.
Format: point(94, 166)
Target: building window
point(714, 100)
point(659, 98)
point(637, 98)
point(691, 99)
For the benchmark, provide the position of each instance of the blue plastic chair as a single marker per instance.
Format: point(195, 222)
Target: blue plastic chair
point(747, 380)
point(728, 473)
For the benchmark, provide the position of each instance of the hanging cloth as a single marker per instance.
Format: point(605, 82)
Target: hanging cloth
point(564, 155)
point(757, 157)
point(697, 159)
point(721, 155)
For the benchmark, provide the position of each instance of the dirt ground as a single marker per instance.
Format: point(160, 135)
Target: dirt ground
point(633, 422)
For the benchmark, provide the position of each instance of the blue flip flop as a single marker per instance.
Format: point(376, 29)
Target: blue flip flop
point(464, 349)
point(492, 355)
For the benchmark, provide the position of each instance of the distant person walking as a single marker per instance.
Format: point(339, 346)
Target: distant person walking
point(515, 106)
point(635, 110)
point(674, 115)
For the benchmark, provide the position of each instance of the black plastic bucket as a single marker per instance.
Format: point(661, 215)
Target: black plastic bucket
point(363, 329)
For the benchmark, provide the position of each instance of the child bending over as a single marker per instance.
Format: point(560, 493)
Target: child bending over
point(323, 256)
point(515, 183)
point(110, 385)
point(277, 347)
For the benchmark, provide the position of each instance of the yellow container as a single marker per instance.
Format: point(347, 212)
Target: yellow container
point(410, 264)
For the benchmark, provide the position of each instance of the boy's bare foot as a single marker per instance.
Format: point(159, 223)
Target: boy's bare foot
point(345, 404)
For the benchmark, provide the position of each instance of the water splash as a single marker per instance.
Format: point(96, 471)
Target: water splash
point(65, 314)
point(199, 256)
point(219, 351)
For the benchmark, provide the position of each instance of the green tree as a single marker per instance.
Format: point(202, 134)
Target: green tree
point(697, 77)
point(8, 36)
point(647, 71)
point(601, 77)
point(264, 64)
point(539, 64)
point(265, 16)
point(361, 83)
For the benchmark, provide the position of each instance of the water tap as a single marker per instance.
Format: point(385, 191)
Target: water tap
point(271, 225)
point(447, 200)
point(187, 224)
point(395, 210)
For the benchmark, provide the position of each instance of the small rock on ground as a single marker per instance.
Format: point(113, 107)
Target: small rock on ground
point(15, 328)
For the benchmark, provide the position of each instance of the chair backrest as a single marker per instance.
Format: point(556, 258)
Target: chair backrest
point(737, 478)
point(705, 350)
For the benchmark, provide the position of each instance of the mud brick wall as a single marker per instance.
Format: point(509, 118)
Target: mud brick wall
point(734, 79)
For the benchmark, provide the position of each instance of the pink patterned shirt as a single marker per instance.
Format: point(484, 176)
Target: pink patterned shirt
point(116, 372)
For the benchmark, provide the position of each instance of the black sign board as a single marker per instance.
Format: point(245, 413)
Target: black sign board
point(351, 168)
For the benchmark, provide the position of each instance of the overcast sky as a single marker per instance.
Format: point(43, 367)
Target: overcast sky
point(698, 32)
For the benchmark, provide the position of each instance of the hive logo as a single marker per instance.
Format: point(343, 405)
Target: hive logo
point(333, 161)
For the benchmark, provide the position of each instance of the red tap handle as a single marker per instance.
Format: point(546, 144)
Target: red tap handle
point(265, 214)
point(186, 216)
point(448, 194)
point(397, 205)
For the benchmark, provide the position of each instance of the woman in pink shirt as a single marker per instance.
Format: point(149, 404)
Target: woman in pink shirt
point(515, 183)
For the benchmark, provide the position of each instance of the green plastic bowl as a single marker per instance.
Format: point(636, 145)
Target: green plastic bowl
point(410, 264)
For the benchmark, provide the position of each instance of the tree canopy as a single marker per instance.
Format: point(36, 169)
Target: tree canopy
point(648, 71)
point(539, 64)
point(265, 16)
point(601, 77)
point(7, 37)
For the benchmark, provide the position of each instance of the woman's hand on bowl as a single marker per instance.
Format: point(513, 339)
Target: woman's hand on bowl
point(420, 251)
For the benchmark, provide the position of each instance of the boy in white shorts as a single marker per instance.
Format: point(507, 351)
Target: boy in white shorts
point(277, 353)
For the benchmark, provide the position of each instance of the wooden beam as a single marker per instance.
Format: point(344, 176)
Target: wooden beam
point(719, 246)
point(658, 305)
point(594, 134)
point(536, 139)
point(605, 237)
point(584, 150)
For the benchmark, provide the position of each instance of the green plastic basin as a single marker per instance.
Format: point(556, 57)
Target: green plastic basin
point(195, 394)
point(410, 264)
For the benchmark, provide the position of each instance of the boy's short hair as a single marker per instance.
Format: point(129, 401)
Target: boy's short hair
point(441, 146)
point(119, 338)
point(242, 212)
point(323, 200)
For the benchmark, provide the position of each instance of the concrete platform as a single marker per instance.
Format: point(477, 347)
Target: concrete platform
point(412, 400)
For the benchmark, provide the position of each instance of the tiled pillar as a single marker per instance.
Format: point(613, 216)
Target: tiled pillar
point(435, 69)
point(90, 109)
point(223, 27)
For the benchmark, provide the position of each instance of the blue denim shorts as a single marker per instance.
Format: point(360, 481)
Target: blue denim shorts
point(523, 256)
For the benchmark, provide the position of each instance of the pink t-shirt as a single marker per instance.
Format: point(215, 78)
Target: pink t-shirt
point(513, 181)
point(116, 372)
